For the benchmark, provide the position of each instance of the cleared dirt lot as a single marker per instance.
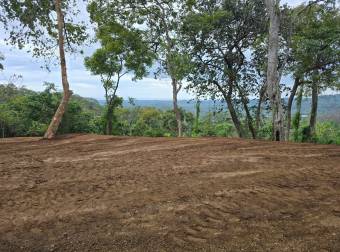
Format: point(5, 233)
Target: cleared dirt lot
point(96, 193)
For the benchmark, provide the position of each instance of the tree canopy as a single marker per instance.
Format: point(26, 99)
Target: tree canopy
point(259, 58)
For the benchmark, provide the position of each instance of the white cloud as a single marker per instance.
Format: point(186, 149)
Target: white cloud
point(293, 2)
point(81, 81)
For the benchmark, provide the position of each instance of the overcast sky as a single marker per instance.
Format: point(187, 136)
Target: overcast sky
point(81, 81)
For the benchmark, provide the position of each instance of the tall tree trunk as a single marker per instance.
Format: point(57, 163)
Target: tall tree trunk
point(249, 120)
point(228, 98)
point(297, 119)
point(3, 130)
point(273, 84)
point(197, 117)
point(314, 109)
point(299, 104)
point(290, 104)
point(248, 114)
point(259, 107)
point(175, 89)
point(234, 116)
point(109, 118)
point(56, 120)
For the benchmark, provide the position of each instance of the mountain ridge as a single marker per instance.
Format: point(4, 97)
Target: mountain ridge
point(328, 105)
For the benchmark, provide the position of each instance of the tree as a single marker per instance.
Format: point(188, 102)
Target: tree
point(53, 127)
point(296, 85)
point(122, 51)
point(260, 64)
point(28, 113)
point(297, 116)
point(32, 25)
point(160, 21)
point(273, 80)
point(316, 54)
point(217, 35)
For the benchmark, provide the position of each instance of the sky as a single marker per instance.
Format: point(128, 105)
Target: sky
point(18, 62)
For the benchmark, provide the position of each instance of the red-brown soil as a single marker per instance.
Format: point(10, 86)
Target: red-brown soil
point(97, 193)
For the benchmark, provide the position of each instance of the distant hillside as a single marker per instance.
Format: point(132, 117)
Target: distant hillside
point(329, 105)
point(88, 104)
point(10, 91)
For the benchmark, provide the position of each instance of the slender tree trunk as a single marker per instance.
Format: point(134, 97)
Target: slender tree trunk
point(248, 114)
point(3, 130)
point(234, 116)
point(249, 120)
point(228, 98)
point(290, 104)
point(56, 120)
point(314, 109)
point(273, 85)
point(175, 90)
point(259, 106)
point(109, 118)
point(197, 118)
point(297, 120)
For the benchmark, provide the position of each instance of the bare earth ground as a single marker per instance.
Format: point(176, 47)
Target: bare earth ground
point(96, 193)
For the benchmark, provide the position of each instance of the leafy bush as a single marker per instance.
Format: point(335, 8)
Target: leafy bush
point(265, 131)
point(328, 133)
point(28, 113)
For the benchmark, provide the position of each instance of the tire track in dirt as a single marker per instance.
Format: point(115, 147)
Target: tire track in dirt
point(167, 194)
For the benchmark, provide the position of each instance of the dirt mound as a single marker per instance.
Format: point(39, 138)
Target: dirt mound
point(99, 193)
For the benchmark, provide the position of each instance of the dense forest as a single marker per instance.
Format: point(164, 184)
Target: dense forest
point(27, 113)
point(235, 52)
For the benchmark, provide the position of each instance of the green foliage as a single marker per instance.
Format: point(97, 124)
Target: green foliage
point(219, 47)
point(315, 45)
point(156, 22)
point(296, 125)
point(214, 124)
point(180, 65)
point(148, 123)
point(137, 121)
point(123, 47)
point(218, 34)
point(27, 113)
point(10, 91)
point(122, 51)
point(328, 133)
point(31, 25)
point(265, 131)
